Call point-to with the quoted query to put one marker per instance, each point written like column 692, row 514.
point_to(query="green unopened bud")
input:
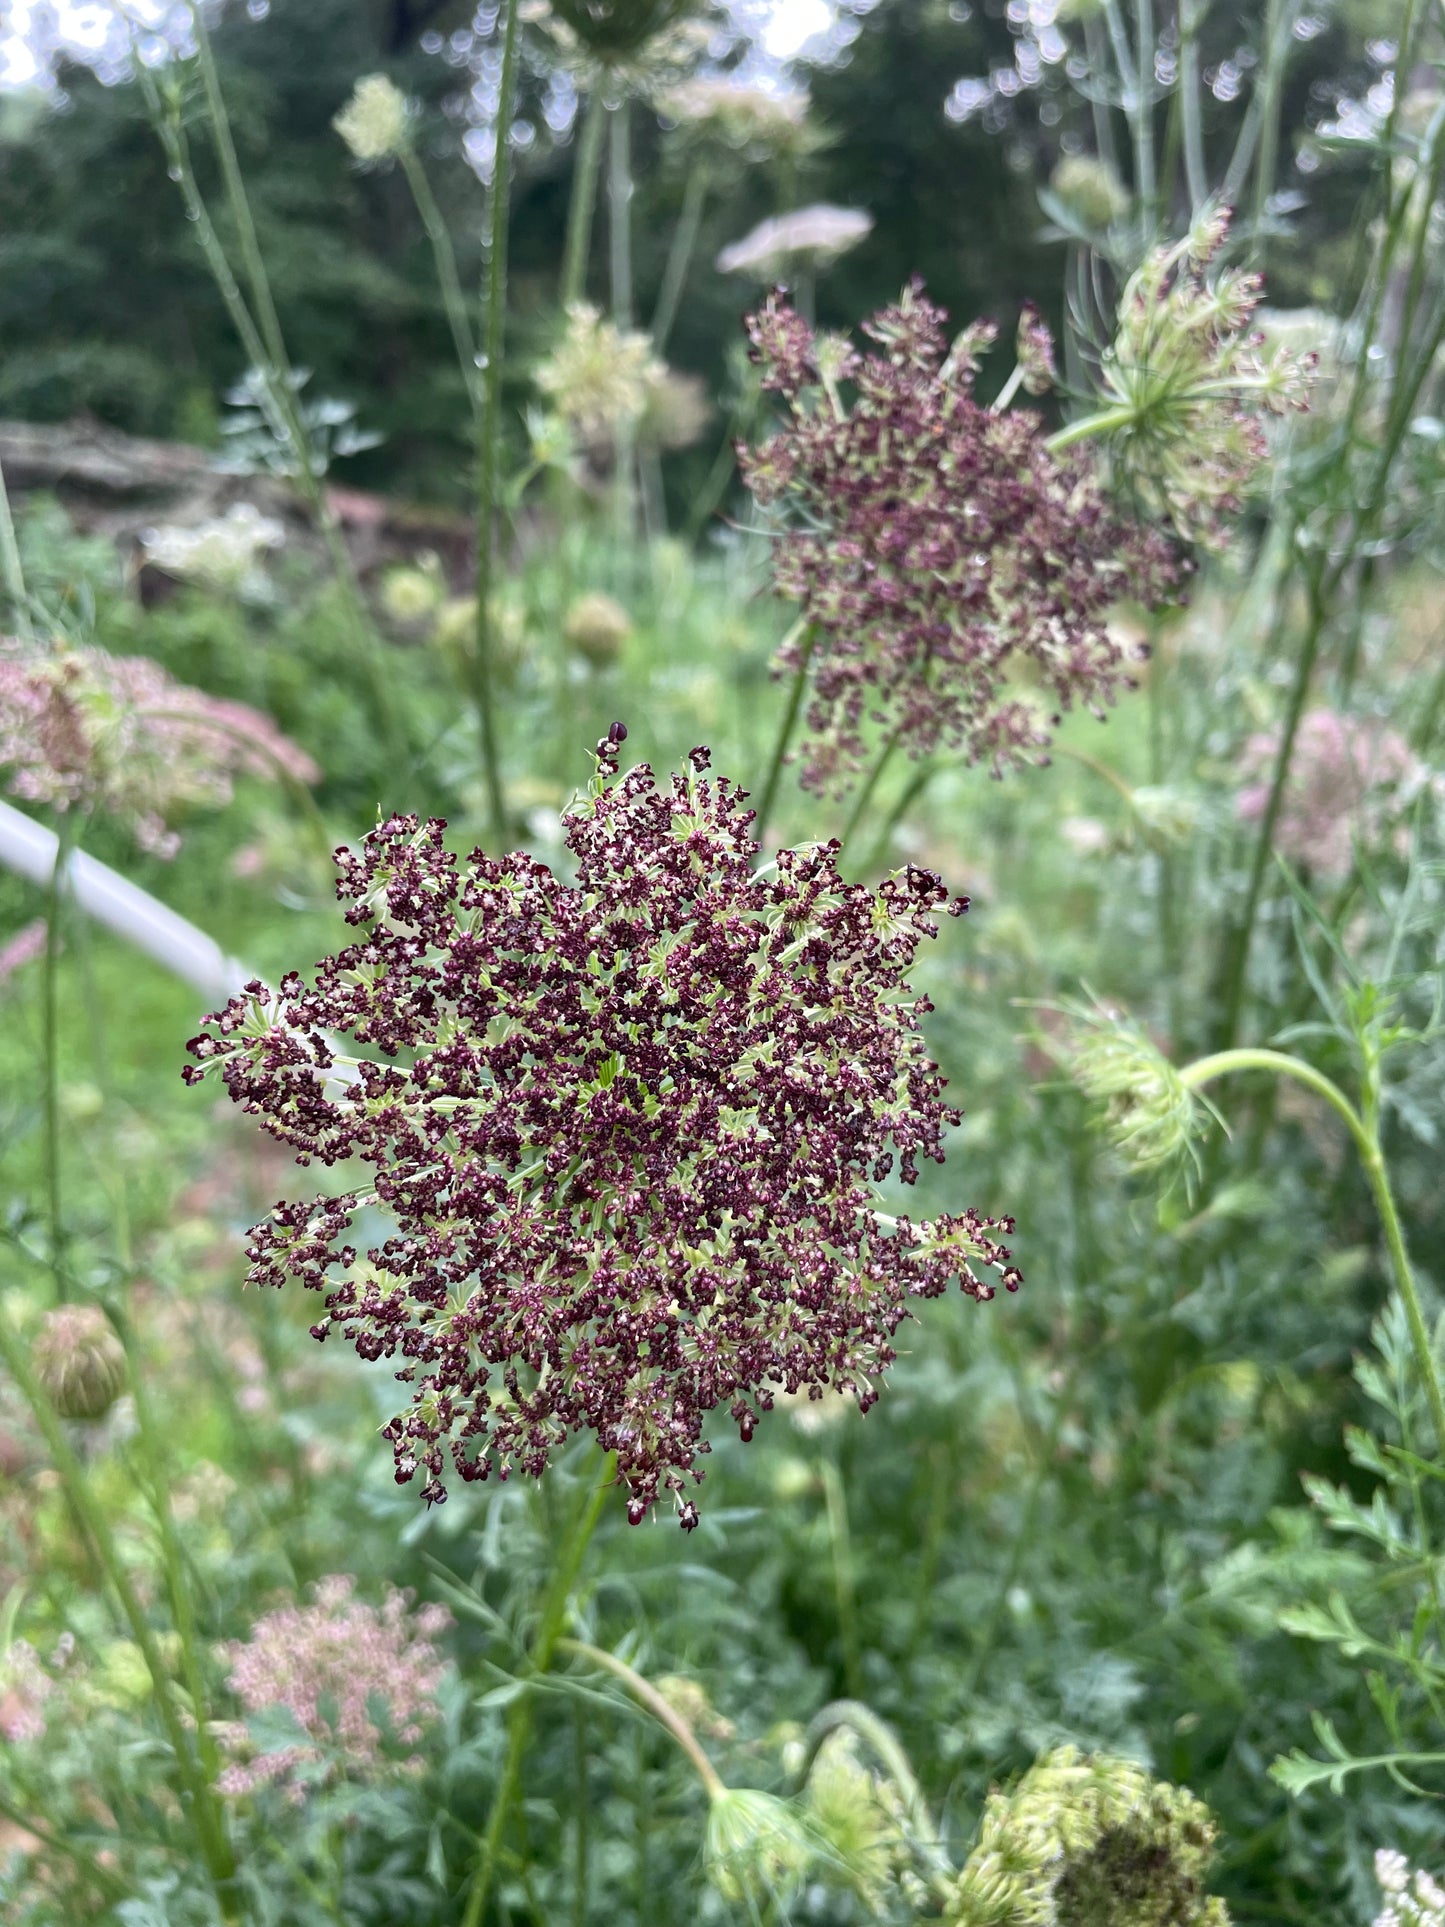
column 373, row 122
column 1090, row 1841
column 413, row 591
column 862, row 1836
column 1090, row 190
column 1149, row 1115
column 597, row 627
column 757, row 1846
column 1166, row 816
column 79, row 1361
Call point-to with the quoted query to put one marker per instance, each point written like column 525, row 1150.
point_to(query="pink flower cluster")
column 1345, row 780
column 628, row 1130
column 329, row 1664
column 946, row 562
column 81, row 729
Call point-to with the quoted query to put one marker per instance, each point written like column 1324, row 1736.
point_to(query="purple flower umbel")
column 944, row 559
column 627, row 1130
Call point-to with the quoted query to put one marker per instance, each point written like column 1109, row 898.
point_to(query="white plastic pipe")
column 28, row 848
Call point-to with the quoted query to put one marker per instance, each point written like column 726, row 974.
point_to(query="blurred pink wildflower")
column 1345, row 782
column 25, row 1686
column 331, row 1664
column 81, row 729
column 23, row 948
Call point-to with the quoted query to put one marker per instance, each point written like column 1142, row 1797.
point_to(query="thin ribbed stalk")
column 490, row 429
column 66, row 841
column 785, row 729
column 519, row 1726
column 583, row 204
column 448, row 280
column 679, row 255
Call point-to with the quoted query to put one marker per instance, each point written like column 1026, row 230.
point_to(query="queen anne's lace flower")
column 599, row 377
column 331, row 1665
column 628, row 1131
column 938, row 546
column 80, row 729
column 1413, row 1899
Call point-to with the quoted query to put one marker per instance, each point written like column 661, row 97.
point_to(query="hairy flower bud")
column 79, row 1361
column 373, row 123
column 757, row 1847
column 596, row 627
column 1091, row 1842
column 1091, row 191
column 627, row 1131
column 1149, row 1115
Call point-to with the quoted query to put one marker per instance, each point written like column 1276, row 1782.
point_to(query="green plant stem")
column 12, row 575
column 581, row 1878
column 865, row 795
column 1103, row 422
column 1364, row 1130
column 549, row 1631
column 1148, row 182
column 285, row 416
column 1277, row 20
column 619, row 210
column 203, row 1811
column 835, row 1501
column 1238, row 940
column 489, row 433
column 1196, row 169
column 647, row 1695
column 448, row 280
column 583, row 203
column 917, row 784
column 809, row 638
column 66, row 841
column 679, row 255
column 240, row 206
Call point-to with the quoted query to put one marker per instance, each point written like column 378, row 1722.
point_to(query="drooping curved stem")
column 852, row 1716
column 583, row 204
column 490, row 428
column 1363, row 1128
column 549, row 1631
column 790, row 716
column 647, row 1694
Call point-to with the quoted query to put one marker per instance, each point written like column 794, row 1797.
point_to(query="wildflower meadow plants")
column 605, row 1169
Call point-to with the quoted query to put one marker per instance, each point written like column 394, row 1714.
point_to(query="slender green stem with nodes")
column 489, row 433
column 1363, row 1128
column 583, row 204
column 565, row 1570
column 647, row 1694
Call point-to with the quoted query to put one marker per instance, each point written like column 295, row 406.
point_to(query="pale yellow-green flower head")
column 1147, row 1112
column 1089, row 1842
column 598, row 377
column 757, row 1848
column 373, row 123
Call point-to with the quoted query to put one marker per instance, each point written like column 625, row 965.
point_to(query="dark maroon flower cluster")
column 939, row 549
column 627, row 1130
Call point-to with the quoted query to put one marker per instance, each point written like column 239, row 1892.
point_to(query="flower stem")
column 1103, row 422
column 203, row 1812
column 809, row 638
column 549, row 1630
column 583, row 203
column 489, row 433
column 836, row 1503
column 917, row 784
column 65, row 844
column 619, row 211
column 679, row 255
column 865, row 795
column 666, row 1716
column 1363, row 1129
column 12, row 575
column 448, row 279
